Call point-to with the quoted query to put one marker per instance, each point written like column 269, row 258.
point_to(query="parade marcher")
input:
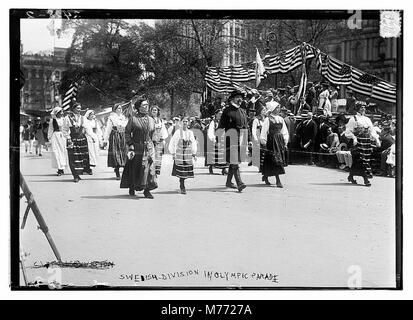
column 218, row 144
column 324, row 100
column 256, row 132
column 77, row 148
column 234, row 121
column 93, row 134
column 57, row 137
column 158, row 138
column 115, row 135
column 183, row 148
column 360, row 129
column 290, row 122
column 139, row 173
column 274, row 138
column 31, row 135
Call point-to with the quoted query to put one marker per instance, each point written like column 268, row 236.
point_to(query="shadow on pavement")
column 338, row 184
column 117, row 196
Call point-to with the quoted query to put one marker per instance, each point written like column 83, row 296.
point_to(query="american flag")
column 70, row 95
column 332, row 69
column 368, row 78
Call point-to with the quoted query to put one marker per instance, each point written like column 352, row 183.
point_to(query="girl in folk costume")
column 274, row 138
column 256, row 132
column 158, row 137
column 115, row 135
column 77, row 148
column 360, row 129
column 57, row 137
column 324, row 100
column 183, row 148
column 139, row 173
column 216, row 145
column 93, row 133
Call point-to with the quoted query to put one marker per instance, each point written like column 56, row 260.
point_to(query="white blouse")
column 89, row 125
column 185, row 135
column 266, row 127
column 114, row 120
column 363, row 121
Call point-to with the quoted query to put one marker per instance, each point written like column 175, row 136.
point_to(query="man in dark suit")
column 235, row 123
column 307, row 132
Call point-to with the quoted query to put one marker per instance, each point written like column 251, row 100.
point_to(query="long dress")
column 361, row 128
column 158, row 139
column 57, row 138
column 115, row 135
column 94, row 138
column 139, row 173
column 183, row 145
column 255, row 132
column 78, row 152
column 216, row 146
column 275, row 132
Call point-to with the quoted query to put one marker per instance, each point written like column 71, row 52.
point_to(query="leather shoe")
column 147, row 194
column 231, row 185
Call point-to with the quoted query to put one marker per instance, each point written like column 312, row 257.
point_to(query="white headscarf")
column 55, row 111
column 87, row 114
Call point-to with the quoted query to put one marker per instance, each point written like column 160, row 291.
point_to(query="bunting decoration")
column 225, row 79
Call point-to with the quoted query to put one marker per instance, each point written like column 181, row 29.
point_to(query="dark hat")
column 284, row 109
column 235, row 93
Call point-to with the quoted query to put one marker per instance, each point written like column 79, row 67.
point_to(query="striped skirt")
column 361, row 157
column 117, row 149
column 159, row 149
column 78, row 154
column 183, row 165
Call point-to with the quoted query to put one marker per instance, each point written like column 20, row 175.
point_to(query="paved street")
column 308, row 234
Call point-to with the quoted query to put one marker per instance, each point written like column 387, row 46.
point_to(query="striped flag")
column 288, row 60
column 70, row 95
column 333, row 70
column 384, row 91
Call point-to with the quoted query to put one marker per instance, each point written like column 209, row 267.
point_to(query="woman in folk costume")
column 158, row 137
column 57, row 137
column 360, row 129
column 183, row 148
column 274, row 138
column 139, row 173
column 324, row 100
column 77, row 148
column 93, row 133
column 217, row 144
column 256, row 132
column 115, row 135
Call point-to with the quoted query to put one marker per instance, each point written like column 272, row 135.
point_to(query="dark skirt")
column 361, row 157
column 274, row 158
column 79, row 154
column 117, row 149
column 183, row 167
column 139, row 173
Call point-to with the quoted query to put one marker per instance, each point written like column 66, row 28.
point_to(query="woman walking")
column 139, row 173
column 360, row 129
column 256, row 129
column 183, row 148
column 274, row 138
column 57, row 138
column 93, row 134
column 115, row 135
column 77, row 148
column 158, row 138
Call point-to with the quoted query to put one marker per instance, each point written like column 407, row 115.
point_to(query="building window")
column 357, row 52
column 338, row 53
column 381, row 49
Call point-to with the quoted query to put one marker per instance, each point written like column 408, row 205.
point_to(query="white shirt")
column 359, row 120
column 185, row 135
column 114, row 120
column 266, row 127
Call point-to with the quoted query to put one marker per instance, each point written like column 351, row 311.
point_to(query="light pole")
column 271, row 36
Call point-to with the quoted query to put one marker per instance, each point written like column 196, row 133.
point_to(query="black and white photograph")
column 206, row 149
